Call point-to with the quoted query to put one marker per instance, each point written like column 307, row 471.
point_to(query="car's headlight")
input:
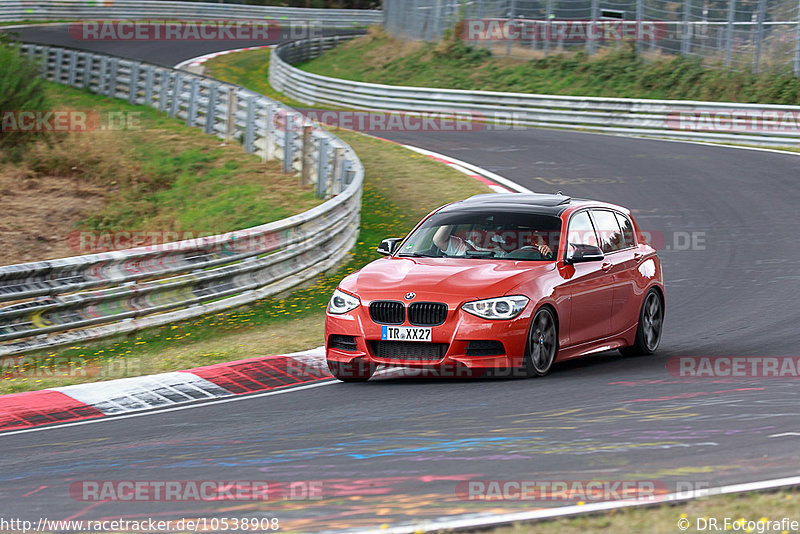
column 497, row 308
column 341, row 303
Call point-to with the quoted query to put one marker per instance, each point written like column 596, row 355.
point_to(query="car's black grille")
column 427, row 313
column 408, row 350
column 387, row 312
column 485, row 347
column 341, row 342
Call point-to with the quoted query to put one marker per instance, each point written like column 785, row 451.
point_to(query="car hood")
column 450, row 280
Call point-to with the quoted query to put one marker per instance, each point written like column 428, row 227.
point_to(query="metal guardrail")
column 726, row 122
column 153, row 9
column 66, row 300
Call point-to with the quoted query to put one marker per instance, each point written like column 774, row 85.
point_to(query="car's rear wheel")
column 651, row 324
column 357, row 370
column 542, row 343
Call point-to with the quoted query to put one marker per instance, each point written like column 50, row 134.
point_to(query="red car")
column 500, row 281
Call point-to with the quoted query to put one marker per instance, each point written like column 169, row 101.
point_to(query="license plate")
column 405, row 333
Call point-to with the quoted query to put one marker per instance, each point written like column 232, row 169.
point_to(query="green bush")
column 21, row 89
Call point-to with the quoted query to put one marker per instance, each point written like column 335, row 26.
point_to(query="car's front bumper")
column 458, row 331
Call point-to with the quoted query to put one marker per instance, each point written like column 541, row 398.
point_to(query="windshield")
column 503, row 235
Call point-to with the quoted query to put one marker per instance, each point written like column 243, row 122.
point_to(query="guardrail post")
column 729, row 38
column 101, row 75
column 305, row 160
column 88, row 64
column 230, row 115
column 269, row 135
column 148, row 86
column 548, row 14
column 639, row 18
column 288, row 141
column 591, row 45
column 110, row 81
column 73, row 67
column 191, row 115
column 164, row 77
column 762, row 7
column 211, row 108
column 686, row 33
column 436, row 24
column 511, row 12
column 797, row 43
column 175, row 95
column 59, row 60
column 344, row 175
column 250, row 124
column 133, row 85
column 322, row 167
column 338, row 169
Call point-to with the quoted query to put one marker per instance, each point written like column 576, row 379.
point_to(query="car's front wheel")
column 542, row 343
column 651, row 323
column 357, row 370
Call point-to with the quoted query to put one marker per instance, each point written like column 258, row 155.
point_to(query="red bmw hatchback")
column 511, row 281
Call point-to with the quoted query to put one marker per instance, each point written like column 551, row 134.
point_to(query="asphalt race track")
column 392, row 450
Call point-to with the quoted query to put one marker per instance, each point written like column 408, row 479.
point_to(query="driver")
column 452, row 245
column 537, row 241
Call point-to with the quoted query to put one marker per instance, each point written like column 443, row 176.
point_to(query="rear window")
column 627, row 230
column 608, row 230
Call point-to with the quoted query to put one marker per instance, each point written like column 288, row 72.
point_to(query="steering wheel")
column 529, row 252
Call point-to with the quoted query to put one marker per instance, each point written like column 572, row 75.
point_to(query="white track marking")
column 200, row 404
column 144, row 392
column 474, row 168
column 784, row 434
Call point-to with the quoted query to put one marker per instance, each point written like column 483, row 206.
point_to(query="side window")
column 581, row 230
column 627, row 230
column 608, row 231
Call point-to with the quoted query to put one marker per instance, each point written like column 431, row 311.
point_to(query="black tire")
column 542, row 346
column 649, row 328
column 355, row 371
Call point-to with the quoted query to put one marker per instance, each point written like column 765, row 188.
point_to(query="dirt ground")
column 37, row 214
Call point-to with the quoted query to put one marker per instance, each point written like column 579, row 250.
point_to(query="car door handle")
column 607, row 266
column 637, row 256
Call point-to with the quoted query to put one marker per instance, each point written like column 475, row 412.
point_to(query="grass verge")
column 378, row 58
column 695, row 515
column 400, row 187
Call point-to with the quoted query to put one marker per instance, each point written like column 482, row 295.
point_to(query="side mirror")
column 584, row 253
column 388, row 246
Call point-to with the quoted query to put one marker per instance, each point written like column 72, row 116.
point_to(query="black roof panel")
column 511, row 202
column 530, row 199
